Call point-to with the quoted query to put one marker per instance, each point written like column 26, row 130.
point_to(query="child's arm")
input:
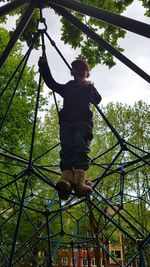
column 48, row 78
column 95, row 97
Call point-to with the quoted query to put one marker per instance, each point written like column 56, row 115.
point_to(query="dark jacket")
column 77, row 99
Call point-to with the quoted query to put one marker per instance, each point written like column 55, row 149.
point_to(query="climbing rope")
column 22, row 196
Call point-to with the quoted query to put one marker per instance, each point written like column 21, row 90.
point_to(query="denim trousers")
column 75, row 139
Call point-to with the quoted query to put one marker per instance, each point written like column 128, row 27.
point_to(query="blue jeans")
column 75, row 140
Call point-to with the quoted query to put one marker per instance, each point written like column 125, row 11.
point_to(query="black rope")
column 18, row 224
column 25, row 59
column 17, row 68
column 34, row 122
column 72, row 252
column 49, row 260
column 121, row 194
column 42, row 20
column 58, row 51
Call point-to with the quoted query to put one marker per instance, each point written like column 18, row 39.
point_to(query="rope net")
column 37, row 229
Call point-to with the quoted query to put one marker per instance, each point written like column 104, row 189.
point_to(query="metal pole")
column 76, row 22
column 106, row 16
column 6, row 9
column 18, row 32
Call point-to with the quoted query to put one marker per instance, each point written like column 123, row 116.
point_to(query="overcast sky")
column 120, row 84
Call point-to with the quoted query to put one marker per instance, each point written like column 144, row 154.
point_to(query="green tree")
column 132, row 124
column 15, row 137
column 76, row 39
column 17, row 129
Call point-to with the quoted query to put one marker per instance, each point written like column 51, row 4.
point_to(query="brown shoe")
column 82, row 187
column 64, row 186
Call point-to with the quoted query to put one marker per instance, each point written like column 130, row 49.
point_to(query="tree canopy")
column 76, row 39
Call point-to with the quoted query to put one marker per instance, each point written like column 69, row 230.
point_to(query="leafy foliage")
column 76, row 39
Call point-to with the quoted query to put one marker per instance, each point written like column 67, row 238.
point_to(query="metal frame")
column 25, row 204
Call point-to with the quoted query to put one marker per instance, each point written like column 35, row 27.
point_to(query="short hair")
column 80, row 62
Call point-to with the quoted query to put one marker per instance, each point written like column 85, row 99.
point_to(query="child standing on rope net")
column 76, row 125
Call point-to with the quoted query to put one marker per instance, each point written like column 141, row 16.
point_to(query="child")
column 76, row 125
